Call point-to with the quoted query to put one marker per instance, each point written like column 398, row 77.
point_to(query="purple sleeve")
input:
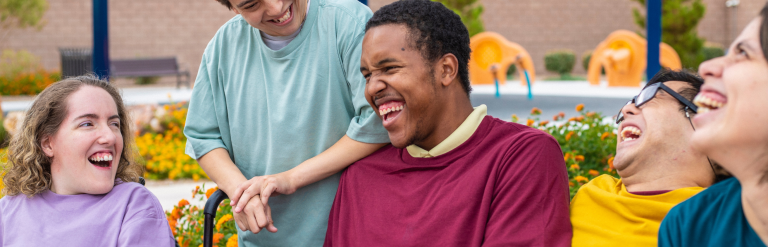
column 530, row 204
column 145, row 223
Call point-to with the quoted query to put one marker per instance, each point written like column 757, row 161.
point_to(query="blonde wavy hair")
column 28, row 170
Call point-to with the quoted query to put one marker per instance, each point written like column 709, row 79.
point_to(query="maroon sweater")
column 505, row 186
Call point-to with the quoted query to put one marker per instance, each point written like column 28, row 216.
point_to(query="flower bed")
column 30, row 83
column 187, row 222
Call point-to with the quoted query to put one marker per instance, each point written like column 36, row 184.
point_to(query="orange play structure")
column 623, row 55
column 490, row 48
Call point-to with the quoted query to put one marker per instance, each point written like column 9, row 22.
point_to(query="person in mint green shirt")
column 278, row 107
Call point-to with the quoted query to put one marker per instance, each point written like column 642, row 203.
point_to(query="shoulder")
column 139, row 200
column 519, row 137
column 603, row 182
column 712, row 199
column 233, row 29
column 346, row 11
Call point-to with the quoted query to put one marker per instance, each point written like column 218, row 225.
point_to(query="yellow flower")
column 579, row 107
column 575, row 166
column 223, row 220
column 579, row 158
column 581, row 179
column 593, row 173
column 232, row 241
column 514, row 118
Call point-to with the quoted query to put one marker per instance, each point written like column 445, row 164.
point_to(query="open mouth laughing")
column 389, row 111
column 285, row 18
column 709, row 101
column 101, row 159
column 629, row 133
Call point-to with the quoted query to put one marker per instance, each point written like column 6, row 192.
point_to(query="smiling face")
column 732, row 104
column 273, row 17
column 400, row 84
column 653, row 133
column 85, row 151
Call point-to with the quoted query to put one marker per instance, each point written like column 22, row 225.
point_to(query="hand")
column 275, row 185
column 255, row 216
column 245, row 192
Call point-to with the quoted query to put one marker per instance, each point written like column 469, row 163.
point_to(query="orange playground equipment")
column 490, row 48
column 623, row 55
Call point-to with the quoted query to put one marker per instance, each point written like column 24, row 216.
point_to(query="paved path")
column 550, row 96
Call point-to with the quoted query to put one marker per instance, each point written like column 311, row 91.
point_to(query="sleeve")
column 669, row 231
column 530, row 204
column 202, row 128
column 366, row 125
column 145, row 223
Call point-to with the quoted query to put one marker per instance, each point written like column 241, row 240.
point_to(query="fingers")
column 240, row 221
column 246, row 191
column 270, row 187
column 253, row 225
column 257, row 215
column 271, row 227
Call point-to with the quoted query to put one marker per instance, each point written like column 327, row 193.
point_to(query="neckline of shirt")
column 301, row 36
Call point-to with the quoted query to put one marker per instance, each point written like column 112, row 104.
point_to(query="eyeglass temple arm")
column 680, row 98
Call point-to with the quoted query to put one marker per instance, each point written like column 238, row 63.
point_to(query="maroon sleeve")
column 530, row 201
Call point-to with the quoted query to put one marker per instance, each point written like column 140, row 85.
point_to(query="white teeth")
column 706, row 104
column 630, row 130
column 107, row 157
column 391, row 109
column 284, row 17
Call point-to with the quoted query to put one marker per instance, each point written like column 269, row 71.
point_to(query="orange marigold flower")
column 217, row 237
column 579, row 107
column 224, row 219
column 610, row 163
column 580, row 118
column 514, row 118
column 590, row 114
column 579, row 158
column 605, row 135
column 194, row 192
column 529, row 122
column 561, row 114
column 176, row 213
column 567, row 156
column 183, row 203
column 575, row 166
column 569, row 136
column 581, row 179
column 542, row 123
column 556, row 117
column 572, row 119
column 535, row 111
column 571, row 184
column 232, row 241
column 210, row 191
column 593, row 172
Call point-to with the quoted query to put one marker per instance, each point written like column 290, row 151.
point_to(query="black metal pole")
column 100, row 39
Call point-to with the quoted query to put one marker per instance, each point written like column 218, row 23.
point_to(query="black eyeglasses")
column 649, row 92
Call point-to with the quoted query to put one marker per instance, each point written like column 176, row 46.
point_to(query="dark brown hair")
column 28, row 169
column 225, row 3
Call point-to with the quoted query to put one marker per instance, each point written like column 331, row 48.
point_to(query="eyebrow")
column 240, row 5
column 378, row 64
column 91, row 115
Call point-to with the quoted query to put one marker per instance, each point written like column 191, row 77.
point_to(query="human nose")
column 274, row 7
column 630, row 109
column 107, row 135
column 375, row 84
column 712, row 68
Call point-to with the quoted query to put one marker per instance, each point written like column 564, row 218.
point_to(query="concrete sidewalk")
column 131, row 96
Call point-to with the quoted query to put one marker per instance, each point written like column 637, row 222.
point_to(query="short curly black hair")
column 433, row 29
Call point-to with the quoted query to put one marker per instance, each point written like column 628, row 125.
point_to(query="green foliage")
column 13, row 63
column 511, row 72
column 20, row 14
column 469, row 11
column 710, row 52
column 146, row 80
column 585, row 57
column 588, row 143
column 679, row 19
column 31, row 83
column 561, row 62
column 186, row 221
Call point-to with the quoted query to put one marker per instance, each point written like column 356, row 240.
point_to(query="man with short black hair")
column 453, row 176
column 658, row 169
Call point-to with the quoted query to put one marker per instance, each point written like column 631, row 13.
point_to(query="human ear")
column 46, row 145
column 448, row 69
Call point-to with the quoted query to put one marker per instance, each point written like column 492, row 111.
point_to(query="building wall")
column 544, row 25
column 182, row 28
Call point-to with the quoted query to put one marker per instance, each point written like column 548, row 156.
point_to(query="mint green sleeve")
column 366, row 125
column 202, row 128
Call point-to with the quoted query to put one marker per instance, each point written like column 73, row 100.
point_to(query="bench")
column 148, row 67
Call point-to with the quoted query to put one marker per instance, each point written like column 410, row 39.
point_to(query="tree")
column 20, row 14
column 469, row 11
column 679, row 19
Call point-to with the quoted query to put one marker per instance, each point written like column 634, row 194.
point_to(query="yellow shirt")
column 459, row 136
column 603, row 213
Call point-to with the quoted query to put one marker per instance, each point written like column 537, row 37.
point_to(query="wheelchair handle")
column 210, row 214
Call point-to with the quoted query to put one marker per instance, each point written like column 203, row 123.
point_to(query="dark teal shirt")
column 714, row 217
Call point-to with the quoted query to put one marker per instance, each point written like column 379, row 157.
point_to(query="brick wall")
column 182, row 28
column 579, row 25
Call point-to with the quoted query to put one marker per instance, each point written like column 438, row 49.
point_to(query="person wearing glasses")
column 731, row 131
column 657, row 167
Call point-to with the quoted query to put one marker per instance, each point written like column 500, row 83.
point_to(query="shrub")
column 186, row 222
column 3, row 162
column 678, row 28
column 561, row 62
column 588, row 144
column 710, row 52
column 162, row 146
column 146, row 80
column 511, row 71
column 13, row 63
column 30, row 83
column 469, row 11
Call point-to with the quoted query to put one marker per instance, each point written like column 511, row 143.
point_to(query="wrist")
column 291, row 182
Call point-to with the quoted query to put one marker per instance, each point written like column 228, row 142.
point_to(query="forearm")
column 222, row 170
column 339, row 156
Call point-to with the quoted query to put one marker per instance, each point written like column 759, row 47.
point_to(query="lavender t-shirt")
column 129, row 215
